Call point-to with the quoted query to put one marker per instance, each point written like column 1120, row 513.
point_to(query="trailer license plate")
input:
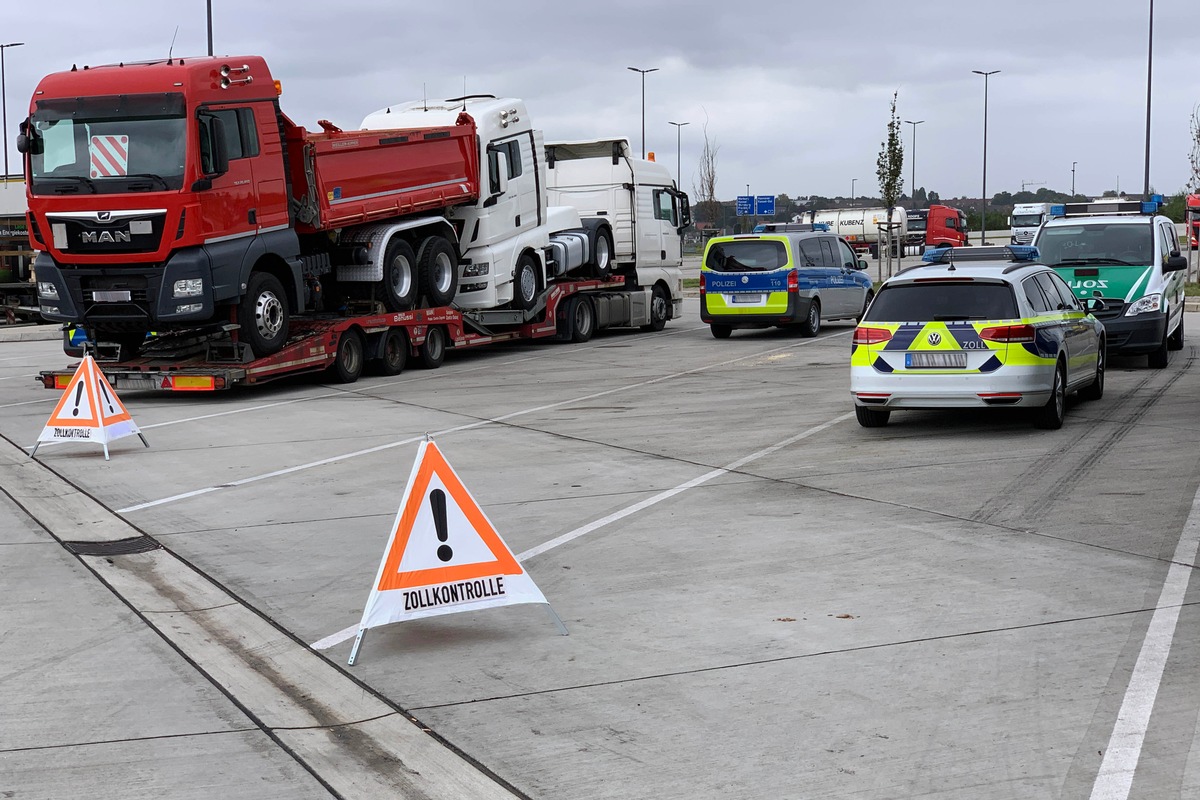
column 952, row 360
column 137, row 382
column 111, row 297
column 752, row 299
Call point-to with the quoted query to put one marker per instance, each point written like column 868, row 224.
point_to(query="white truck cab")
column 1025, row 220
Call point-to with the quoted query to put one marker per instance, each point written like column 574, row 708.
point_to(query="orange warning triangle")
column 441, row 534
column 112, row 410
column 77, row 407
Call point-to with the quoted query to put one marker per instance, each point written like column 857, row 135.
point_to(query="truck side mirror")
column 22, row 143
column 685, row 210
column 501, row 172
column 214, row 157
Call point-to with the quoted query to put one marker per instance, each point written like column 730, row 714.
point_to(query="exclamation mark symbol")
column 437, row 502
column 107, row 399
column 78, row 396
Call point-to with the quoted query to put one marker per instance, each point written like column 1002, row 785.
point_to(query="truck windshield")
column 916, row 224
column 1096, row 243
column 107, row 145
column 1026, row 220
column 746, row 255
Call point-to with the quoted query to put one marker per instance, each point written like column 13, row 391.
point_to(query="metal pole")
column 983, row 204
column 912, row 190
column 4, row 104
column 1149, row 67
column 210, row 47
column 852, row 182
column 678, row 142
column 643, row 72
column 1073, row 163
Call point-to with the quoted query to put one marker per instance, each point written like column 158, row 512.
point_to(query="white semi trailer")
column 863, row 228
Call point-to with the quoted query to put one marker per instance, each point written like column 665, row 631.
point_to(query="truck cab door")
column 228, row 208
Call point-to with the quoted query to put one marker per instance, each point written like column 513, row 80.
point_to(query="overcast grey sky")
column 795, row 94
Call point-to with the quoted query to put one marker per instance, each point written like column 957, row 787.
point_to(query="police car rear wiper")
column 1073, row 261
column 954, row 317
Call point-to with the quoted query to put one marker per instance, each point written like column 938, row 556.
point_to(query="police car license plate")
column 952, row 360
column 755, row 299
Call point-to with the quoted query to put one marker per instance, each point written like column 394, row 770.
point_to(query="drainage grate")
column 120, row 547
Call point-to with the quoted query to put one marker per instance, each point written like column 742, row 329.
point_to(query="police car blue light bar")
column 957, row 255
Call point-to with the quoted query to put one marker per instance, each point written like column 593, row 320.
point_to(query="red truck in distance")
column 936, row 226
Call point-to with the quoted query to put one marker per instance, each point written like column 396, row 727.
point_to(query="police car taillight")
column 793, row 281
column 1009, row 334
column 870, row 336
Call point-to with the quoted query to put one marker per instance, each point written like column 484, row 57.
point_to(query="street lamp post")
column 643, row 72
column 983, row 210
column 678, row 140
column 912, row 190
column 209, row 5
column 4, row 103
column 1149, row 66
column 852, row 182
column 1073, row 163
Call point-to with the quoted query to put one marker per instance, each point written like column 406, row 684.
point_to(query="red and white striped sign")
column 110, row 156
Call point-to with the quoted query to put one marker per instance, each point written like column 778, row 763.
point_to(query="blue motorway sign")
column 765, row 205
column 745, row 205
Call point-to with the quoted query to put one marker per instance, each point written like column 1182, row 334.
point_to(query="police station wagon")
column 781, row 278
column 973, row 333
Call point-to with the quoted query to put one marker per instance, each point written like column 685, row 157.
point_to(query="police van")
column 781, row 276
column 1127, row 254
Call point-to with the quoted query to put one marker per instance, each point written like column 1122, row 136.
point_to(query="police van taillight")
column 793, row 285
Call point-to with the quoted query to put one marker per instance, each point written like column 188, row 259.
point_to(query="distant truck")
column 175, row 194
column 936, row 226
column 1192, row 217
column 864, row 229
column 1025, row 220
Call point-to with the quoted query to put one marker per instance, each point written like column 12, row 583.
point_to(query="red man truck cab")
column 171, row 194
column 1192, row 216
column 936, row 226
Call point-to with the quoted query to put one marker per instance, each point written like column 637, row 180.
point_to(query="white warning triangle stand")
column 89, row 411
column 444, row 555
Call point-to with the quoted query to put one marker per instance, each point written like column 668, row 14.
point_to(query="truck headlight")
column 1151, row 302
column 475, row 270
column 48, row 309
column 188, row 287
column 47, row 290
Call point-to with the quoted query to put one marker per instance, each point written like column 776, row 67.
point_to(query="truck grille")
column 100, row 285
column 138, row 234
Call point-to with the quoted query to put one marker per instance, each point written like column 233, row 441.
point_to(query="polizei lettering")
column 461, row 592
column 109, row 237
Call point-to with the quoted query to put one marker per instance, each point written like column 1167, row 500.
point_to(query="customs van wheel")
column 720, row 331
column 1050, row 416
column 660, row 309
column 872, row 417
column 525, row 283
column 395, row 352
column 602, row 252
column 1095, row 390
column 581, row 317
column 866, row 304
column 812, row 323
column 347, row 366
column 1175, row 340
column 437, row 268
column 433, row 349
column 263, row 314
column 399, row 276
column 1158, row 358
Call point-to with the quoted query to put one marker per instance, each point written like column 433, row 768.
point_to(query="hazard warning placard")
column 443, row 555
column 89, row 410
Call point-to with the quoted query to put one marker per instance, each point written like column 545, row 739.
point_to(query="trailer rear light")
column 1008, row 334
column 793, row 283
column 869, row 336
column 191, row 383
column 62, row 381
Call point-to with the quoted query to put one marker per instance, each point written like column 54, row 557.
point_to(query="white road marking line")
column 458, row 428
column 1115, row 778
column 32, row 402
column 350, row 632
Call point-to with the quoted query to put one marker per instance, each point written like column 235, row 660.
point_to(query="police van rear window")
column 943, row 301
column 746, row 255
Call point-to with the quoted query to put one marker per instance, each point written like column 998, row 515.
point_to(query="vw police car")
column 1127, row 254
column 781, row 275
column 985, row 327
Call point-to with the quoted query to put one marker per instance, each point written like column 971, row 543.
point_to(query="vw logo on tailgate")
column 935, row 338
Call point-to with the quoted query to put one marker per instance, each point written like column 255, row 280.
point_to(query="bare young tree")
column 889, row 169
column 1193, row 184
column 708, row 208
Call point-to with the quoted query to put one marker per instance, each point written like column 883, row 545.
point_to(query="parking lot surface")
column 764, row 599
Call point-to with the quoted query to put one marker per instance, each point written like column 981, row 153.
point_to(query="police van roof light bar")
column 1111, row 206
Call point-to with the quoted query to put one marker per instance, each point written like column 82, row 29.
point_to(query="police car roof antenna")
column 951, row 268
